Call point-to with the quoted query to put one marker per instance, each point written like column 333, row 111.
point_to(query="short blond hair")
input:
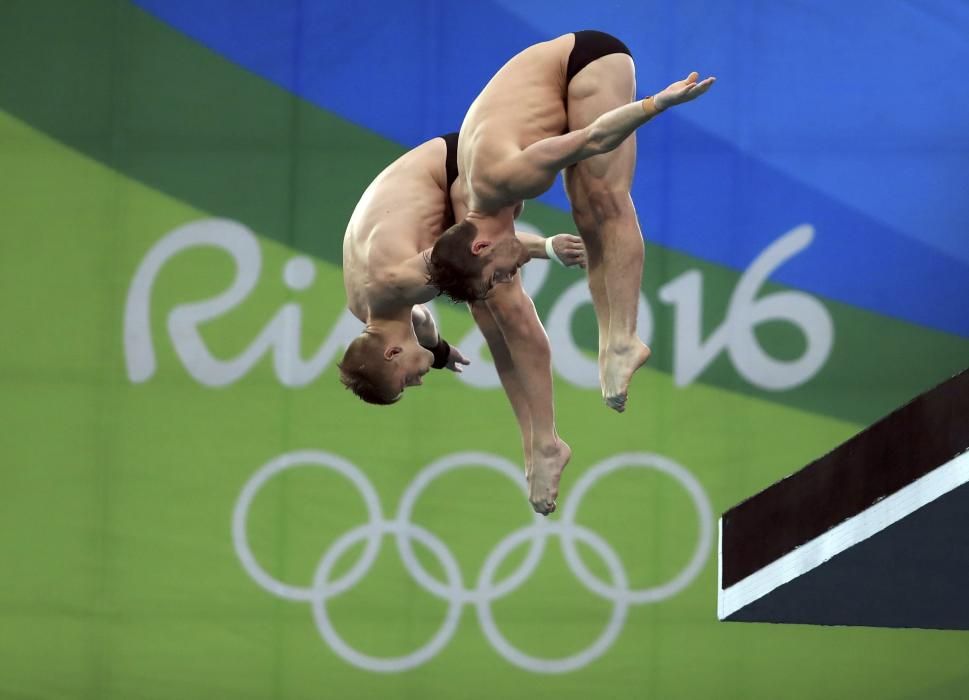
column 364, row 371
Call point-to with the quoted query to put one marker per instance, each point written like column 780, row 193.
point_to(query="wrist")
column 442, row 351
column 651, row 107
column 550, row 251
column 535, row 245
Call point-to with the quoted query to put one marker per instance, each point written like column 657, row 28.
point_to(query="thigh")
column 606, row 83
column 485, row 321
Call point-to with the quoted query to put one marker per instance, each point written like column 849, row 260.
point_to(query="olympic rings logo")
column 486, row 590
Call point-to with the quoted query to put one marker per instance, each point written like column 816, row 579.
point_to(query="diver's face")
column 410, row 363
column 502, row 264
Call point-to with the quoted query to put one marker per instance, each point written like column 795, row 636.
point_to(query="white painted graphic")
column 745, row 312
column 453, row 590
column 281, row 335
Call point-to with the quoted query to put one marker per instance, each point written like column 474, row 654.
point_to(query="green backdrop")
column 129, row 439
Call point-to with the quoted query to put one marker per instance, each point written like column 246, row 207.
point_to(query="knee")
column 606, row 202
column 582, row 215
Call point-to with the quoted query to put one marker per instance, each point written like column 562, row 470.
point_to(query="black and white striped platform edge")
column 899, row 465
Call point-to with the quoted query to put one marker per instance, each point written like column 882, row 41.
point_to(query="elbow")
column 600, row 140
column 420, row 314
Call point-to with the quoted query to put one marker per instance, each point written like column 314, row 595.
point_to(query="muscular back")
column 401, row 213
column 522, row 104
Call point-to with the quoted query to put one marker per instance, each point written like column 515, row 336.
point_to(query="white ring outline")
column 424, row 478
column 290, row 460
column 397, row 663
column 454, row 591
column 569, row 663
column 701, row 503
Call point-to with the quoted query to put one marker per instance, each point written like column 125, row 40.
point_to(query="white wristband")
column 551, row 252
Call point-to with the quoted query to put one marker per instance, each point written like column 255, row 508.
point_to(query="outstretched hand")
column 682, row 91
column 569, row 249
column 455, row 359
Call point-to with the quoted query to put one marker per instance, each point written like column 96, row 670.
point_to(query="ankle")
column 622, row 344
column 547, row 448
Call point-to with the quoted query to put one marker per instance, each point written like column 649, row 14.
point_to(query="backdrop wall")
column 194, row 506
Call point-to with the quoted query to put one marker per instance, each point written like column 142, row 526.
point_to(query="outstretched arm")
column 543, row 159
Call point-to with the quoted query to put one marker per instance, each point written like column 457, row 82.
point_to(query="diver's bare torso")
column 400, row 214
column 523, row 103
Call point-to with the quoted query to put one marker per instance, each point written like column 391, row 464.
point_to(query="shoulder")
column 399, row 284
column 385, row 274
column 382, row 290
column 488, row 178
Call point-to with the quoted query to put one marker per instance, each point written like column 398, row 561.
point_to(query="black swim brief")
column 451, row 164
column 451, row 170
column 590, row 45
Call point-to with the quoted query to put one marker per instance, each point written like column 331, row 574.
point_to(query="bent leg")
column 507, row 374
column 603, row 211
column 527, row 345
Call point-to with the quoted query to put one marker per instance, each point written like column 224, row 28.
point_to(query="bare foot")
column 543, row 477
column 620, row 363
